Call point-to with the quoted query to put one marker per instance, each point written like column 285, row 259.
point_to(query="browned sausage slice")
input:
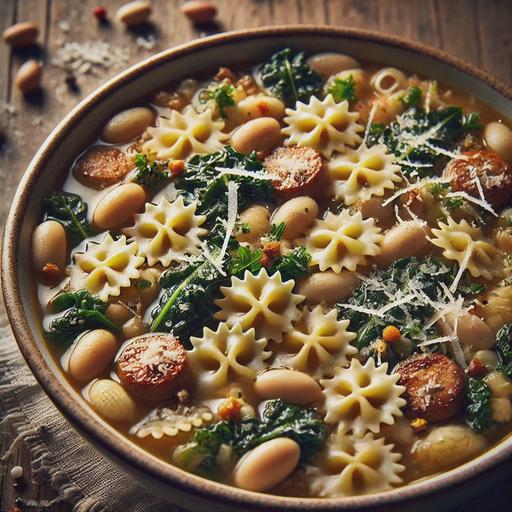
column 101, row 166
column 152, row 366
column 494, row 174
column 295, row 168
column 434, row 386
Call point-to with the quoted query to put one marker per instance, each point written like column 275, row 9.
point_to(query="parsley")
column 471, row 122
column 452, row 203
column 438, row 190
column 343, row 89
column 504, row 349
column 276, row 231
column 411, row 97
column 288, row 76
column 479, row 411
column 221, row 94
column 151, row 176
column 245, row 227
column 246, row 259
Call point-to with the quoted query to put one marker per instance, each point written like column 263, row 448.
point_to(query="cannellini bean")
column 291, row 386
column 199, row 11
column 498, row 137
column 328, row 286
column 127, row 125
column 134, row 327
column 258, row 218
column 134, row 13
column 49, row 245
column 405, row 239
column 110, row 400
column 472, row 332
column 118, row 313
column 261, row 134
column 21, row 34
column 372, row 208
column 298, row 214
column 259, row 105
column 330, row 63
column 119, row 205
column 28, row 77
column 267, row 464
column 448, row 446
column 92, row 354
column 501, row 409
column 500, row 386
column 488, row 357
column 149, row 293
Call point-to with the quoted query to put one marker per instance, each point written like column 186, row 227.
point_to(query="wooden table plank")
column 476, row 30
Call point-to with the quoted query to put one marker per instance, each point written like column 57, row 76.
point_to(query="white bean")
column 267, row 464
column 498, row 137
column 474, row 333
column 501, row 409
column 500, row 386
column 134, row 327
column 134, row 13
column 330, row 63
column 488, row 357
column 328, row 286
column 259, row 105
column 261, row 134
column 291, row 386
column 127, row 125
column 118, row 313
column 49, row 245
column 448, row 446
column 110, row 400
column 405, row 239
column 372, row 208
column 21, row 34
column 28, row 77
column 119, row 205
column 92, row 354
column 298, row 214
column 257, row 217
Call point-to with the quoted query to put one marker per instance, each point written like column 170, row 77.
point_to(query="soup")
column 293, row 278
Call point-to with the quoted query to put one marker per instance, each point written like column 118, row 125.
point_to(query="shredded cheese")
column 462, row 267
column 414, row 186
column 371, row 115
column 235, row 171
column 483, row 204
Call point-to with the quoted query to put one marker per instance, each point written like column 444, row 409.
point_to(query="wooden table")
column 476, row 30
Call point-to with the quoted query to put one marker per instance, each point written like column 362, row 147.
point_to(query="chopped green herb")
column 504, row 349
column 438, row 190
column 246, row 259
column 142, row 284
column 150, row 175
column 479, row 411
column 343, row 89
column 288, row 76
column 221, row 93
column 452, row 203
column 245, row 227
column 411, row 97
column 276, row 231
column 472, row 122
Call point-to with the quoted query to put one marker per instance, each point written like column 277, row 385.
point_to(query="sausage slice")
column 152, row 366
column 494, row 174
column 295, row 169
column 101, row 167
column 434, row 386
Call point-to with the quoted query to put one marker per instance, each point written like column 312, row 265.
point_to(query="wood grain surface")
column 476, row 30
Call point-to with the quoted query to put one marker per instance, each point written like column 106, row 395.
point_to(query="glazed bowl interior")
column 80, row 128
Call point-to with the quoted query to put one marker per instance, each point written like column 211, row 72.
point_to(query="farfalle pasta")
column 356, row 465
column 342, row 241
column 226, row 355
column 167, row 232
column 184, row 134
column 318, row 343
column 363, row 173
column 106, row 267
column 362, row 397
column 468, row 246
column 324, row 125
column 300, row 261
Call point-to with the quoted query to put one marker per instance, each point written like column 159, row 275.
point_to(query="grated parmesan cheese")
column 414, row 186
column 235, row 171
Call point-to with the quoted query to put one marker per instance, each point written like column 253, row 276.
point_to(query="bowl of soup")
column 271, row 269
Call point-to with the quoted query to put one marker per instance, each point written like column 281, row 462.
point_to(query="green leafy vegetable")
column 288, row 76
column 246, row 259
column 71, row 212
column 186, row 303
column 472, row 122
column 504, row 349
column 479, row 411
column 150, row 175
column 411, row 97
column 452, row 203
column 279, row 419
column 343, row 89
column 82, row 311
column 221, row 93
column 276, row 231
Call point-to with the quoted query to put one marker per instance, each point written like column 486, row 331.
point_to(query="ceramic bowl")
column 79, row 128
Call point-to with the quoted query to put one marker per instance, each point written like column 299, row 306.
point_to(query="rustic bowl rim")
column 115, row 444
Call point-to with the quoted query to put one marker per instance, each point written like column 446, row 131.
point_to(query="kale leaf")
column 246, row 259
column 71, row 212
column 288, row 76
column 504, row 349
column 413, row 137
column 221, row 93
column 150, row 175
column 279, row 419
column 479, row 411
column 343, row 89
column 82, row 311
column 186, row 303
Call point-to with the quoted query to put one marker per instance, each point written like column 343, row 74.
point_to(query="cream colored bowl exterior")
column 79, row 129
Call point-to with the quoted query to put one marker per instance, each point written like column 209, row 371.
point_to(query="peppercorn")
column 419, row 425
column 390, row 334
column 100, row 13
